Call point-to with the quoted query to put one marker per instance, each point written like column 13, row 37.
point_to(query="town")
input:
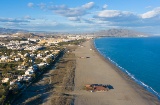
column 23, row 59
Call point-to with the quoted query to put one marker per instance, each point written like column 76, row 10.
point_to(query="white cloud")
column 42, row 5
column 118, row 18
column 105, row 6
column 83, row 18
column 63, row 10
column 88, row 5
column 151, row 14
column 115, row 15
column 108, row 13
column 12, row 20
column 74, row 18
column 30, row 5
column 57, row 7
column 27, row 17
column 70, row 12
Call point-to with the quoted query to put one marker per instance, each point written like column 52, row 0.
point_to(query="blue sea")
column 137, row 57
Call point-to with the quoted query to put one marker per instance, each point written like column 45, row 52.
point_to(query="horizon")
column 81, row 16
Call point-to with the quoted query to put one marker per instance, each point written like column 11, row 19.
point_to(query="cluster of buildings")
column 20, row 80
column 22, row 45
column 25, row 57
column 55, row 41
column 26, row 52
column 29, row 44
column 30, row 71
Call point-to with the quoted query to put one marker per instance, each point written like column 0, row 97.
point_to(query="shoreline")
column 136, row 92
column 123, row 73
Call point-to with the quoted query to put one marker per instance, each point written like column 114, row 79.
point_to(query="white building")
column 3, row 58
column 5, row 80
column 29, row 72
column 17, row 59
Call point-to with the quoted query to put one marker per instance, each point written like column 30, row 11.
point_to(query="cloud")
column 151, row 14
column 109, row 13
column 28, row 23
column 13, row 20
column 88, row 5
column 83, row 17
column 65, row 11
column 42, row 5
column 116, row 16
column 105, row 6
column 74, row 19
column 90, row 21
column 28, row 17
column 71, row 12
column 57, row 7
column 128, row 19
column 30, row 5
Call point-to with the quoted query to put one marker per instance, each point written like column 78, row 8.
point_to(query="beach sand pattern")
column 94, row 69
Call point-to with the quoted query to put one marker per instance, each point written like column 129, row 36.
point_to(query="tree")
column 49, row 60
column 2, row 98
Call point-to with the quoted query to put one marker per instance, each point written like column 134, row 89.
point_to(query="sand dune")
column 97, row 70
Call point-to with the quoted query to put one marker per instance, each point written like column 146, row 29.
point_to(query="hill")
column 120, row 33
column 108, row 33
column 10, row 31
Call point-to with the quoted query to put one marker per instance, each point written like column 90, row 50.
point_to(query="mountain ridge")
column 11, row 31
column 108, row 33
column 120, row 33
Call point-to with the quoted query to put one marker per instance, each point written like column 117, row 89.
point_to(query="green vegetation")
column 9, row 69
column 38, row 60
column 3, row 92
column 8, row 52
column 8, row 66
column 74, row 42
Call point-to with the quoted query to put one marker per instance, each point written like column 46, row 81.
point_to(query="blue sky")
column 80, row 15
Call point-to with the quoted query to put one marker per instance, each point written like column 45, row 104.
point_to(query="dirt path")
column 54, row 87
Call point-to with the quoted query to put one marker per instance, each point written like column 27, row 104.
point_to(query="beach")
column 92, row 68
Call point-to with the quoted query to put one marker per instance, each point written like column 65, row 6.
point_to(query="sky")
column 80, row 15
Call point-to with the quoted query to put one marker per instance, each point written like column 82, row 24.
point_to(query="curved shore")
column 97, row 70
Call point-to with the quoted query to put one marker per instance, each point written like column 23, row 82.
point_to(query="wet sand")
column 96, row 70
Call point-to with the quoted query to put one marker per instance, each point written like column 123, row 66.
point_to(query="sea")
column 137, row 57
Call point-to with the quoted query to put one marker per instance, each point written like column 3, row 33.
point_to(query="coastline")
column 128, row 76
column 126, row 90
column 123, row 74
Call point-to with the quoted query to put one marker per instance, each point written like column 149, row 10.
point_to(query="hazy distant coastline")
column 107, row 33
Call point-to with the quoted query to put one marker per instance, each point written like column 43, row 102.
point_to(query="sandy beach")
column 96, row 70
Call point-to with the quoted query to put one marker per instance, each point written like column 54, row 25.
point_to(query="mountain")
column 108, row 33
column 120, row 33
column 10, row 31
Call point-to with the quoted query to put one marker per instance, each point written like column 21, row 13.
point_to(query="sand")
column 97, row 70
